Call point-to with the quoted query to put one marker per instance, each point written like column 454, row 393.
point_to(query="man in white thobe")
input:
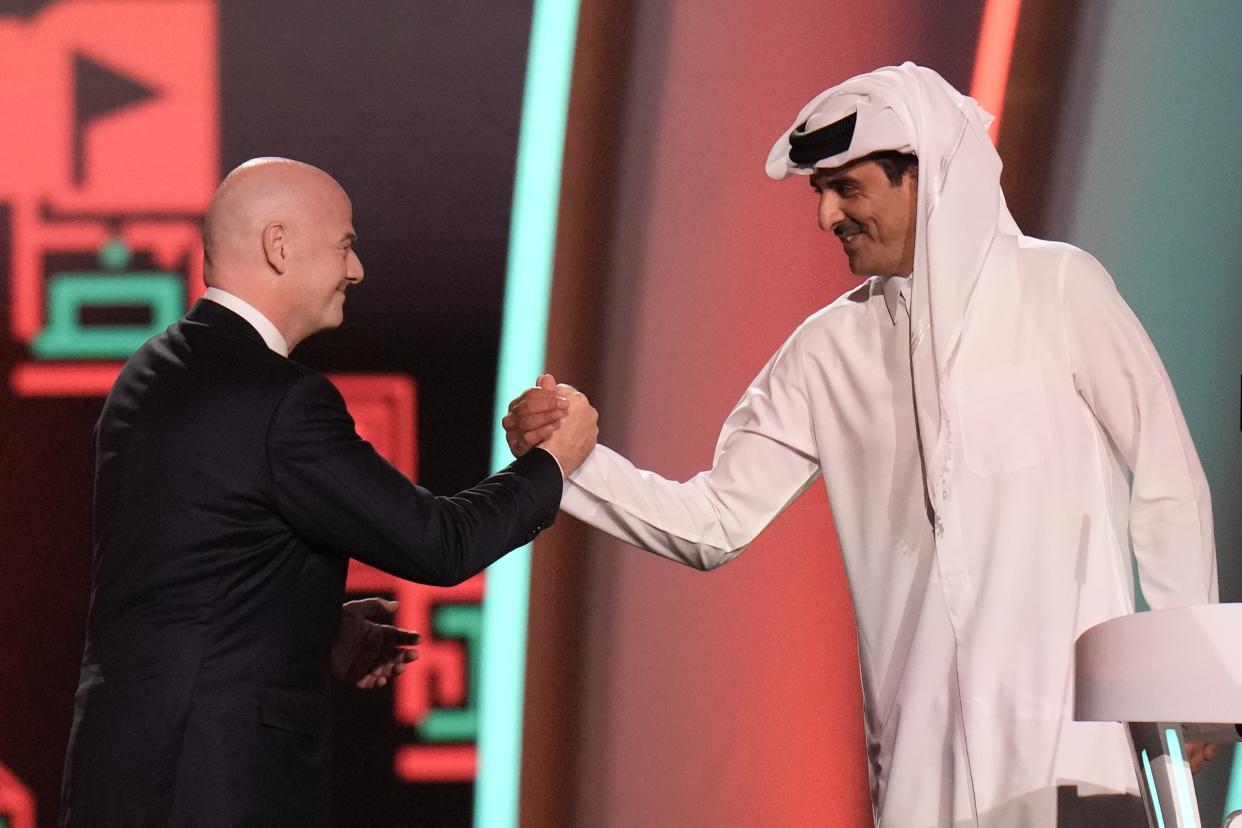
column 976, row 407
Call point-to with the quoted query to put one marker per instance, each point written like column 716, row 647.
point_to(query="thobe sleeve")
column 764, row 459
column 1119, row 374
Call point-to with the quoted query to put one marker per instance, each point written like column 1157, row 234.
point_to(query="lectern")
column 1167, row 675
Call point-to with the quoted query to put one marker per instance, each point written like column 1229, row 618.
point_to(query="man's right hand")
column 557, row 418
column 535, row 414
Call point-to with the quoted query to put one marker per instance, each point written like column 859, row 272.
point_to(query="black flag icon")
column 98, row 91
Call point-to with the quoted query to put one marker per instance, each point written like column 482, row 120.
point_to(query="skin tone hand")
column 573, row 430
column 367, row 654
column 535, row 414
column 1198, row 754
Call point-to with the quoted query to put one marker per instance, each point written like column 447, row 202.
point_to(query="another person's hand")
column 573, row 437
column 534, row 415
column 366, row 654
column 1198, row 754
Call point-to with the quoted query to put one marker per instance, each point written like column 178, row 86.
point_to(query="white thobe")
column 965, row 632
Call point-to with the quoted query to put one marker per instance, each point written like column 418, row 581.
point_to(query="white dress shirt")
column 966, row 632
column 271, row 335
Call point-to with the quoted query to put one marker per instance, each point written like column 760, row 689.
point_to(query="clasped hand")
column 557, row 418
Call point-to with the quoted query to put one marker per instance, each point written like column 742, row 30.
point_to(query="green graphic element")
column 65, row 337
column 115, row 255
column 458, row 724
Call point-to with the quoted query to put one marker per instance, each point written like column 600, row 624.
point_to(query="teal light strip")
column 1155, row 794
column 532, row 240
column 1233, row 802
column 1181, row 780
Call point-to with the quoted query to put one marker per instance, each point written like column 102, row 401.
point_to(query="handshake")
column 556, row 418
column 368, row 653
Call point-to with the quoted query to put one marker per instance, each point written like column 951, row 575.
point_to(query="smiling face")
column 323, row 261
column 280, row 235
column 874, row 218
column 311, row 253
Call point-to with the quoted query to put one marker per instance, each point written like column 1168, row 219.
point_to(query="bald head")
column 279, row 234
column 259, row 191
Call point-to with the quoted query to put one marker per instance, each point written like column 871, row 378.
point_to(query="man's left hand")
column 367, row 654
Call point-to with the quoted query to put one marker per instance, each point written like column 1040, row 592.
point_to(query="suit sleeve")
column 1119, row 374
column 335, row 490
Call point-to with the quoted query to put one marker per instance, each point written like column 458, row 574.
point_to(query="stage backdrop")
column 119, row 117
column 730, row 698
column 1144, row 178
column 658, row 696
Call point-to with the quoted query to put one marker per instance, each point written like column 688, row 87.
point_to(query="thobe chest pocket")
column 1003, row 419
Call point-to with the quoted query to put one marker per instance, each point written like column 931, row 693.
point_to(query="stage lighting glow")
column 1180, row 782
column 532, row 241
column 1155, row 794
column 991, row 75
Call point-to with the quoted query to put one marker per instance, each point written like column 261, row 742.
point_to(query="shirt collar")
column 896, row 288
column 271, row 335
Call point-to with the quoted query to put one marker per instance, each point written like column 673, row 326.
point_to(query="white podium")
column 1167, row 674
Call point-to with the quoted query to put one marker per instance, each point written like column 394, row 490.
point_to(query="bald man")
column 231, row 489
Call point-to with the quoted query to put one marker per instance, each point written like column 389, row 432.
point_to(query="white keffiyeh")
column 961, row 209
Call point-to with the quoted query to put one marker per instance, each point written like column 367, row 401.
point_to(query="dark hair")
column 895, row 164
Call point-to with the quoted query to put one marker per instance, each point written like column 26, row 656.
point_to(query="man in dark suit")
column 231, row 490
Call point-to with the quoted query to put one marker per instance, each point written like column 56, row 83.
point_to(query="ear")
column 275, row 238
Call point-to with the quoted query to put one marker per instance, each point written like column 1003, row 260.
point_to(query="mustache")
column 846, row 227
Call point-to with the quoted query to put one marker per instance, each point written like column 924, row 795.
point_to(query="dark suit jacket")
column 230, row 492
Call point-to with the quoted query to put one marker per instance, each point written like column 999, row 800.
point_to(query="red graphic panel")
column 17, row 807
column 383, row 408
column 89, row 380
column 109, row 132
column 110, row 156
